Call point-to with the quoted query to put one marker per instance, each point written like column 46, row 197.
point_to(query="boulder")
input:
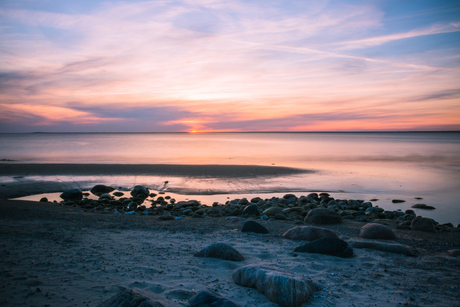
column 323, row 216
column 423, row 206
column 423, row 224
column 210, row 299
column 72, row 195
column 137, row 298
column 44, row 200
column 377, row 231
column 252, row 226
column 385, row 247
column 278, row 285
column 272, row 211
column 221, row 251
column 140, row 191
column 100, row 189
column 251, row 209
column 328, row 246
column 308, row 233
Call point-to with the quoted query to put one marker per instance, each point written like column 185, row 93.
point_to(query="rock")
column 308, row 233
column 328, row 246
column 278, row 285
column 454, row 252
column 396, row 201
column 423, row 224
column 323, row 216
column 140, row 191
column 251, row 209
column 221, row 251
column 272, row 211
column 74, row 195
column 410, row 211
column 100, row 189
column 137, row 298
column 423, row 206
column 280, row 216
column 243, row 202
column 166, row 217
column 252, row 226
column 377, row 231
column 385, row 247
column 209, row 299
column 43, row 200
column 119, row 194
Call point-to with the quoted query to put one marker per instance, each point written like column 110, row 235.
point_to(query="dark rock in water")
column 410, row 211
column 100, row 189
column 251, row 209
column 252, row 226
column 119, row 194
column 209, row 299
column 289, row 196
column 323, row 216
column 423, row 206
column 137, row 298
column 385, row 247
column 278, row 285
column 74, row 195
column 327, row 246
column 140, row 191
column 43, row 200
column 221, row 251
column 377, row 231
column 308, row 233
column 423, row 224
column 395, row 201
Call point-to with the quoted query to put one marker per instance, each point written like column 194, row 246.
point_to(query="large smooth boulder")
column 252, row 226
column 323, row 216
column 385, row 247
column 221, row 251
column 377, row 231
column 423, row 224
column 278, row 285
column 137, row 298
column 327, row 246
column 209, row 299
column 73, row 195
column 140, row 191
column 100, row 189
column 251, row 209
column 272, row 211
column 308, row 233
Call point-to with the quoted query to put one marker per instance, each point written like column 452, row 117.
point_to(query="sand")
column 58, row 256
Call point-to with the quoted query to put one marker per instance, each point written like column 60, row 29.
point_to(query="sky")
column 223, row 65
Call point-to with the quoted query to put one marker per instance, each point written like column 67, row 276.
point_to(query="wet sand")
column 59, row 256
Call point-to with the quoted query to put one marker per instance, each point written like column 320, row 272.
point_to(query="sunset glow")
column 221, row 66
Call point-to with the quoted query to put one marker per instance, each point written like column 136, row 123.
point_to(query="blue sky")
column 211, row 65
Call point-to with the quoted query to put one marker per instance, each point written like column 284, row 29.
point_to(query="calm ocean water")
column 350, row 165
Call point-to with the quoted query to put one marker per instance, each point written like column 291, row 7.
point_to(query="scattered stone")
column 423, row 206
column 140, row 191
column 100, row 189
column 137, row 298
column 454, row 252
column 377, row 231
column 385, row 247
column 251, row 209
column 278, row 285
column 280, row 216
column 272, row 211
column 328, row 246
column 396, row 201
column 252, row 226
column 72, row 195
column 43, row 200
column 323, row 216
column 221, row 251
column 308, row 233
column 209, row 299
column 423, row 224
column 119, row 194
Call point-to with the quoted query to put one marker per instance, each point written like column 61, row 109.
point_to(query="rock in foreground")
column 221, row 251
column 377, row 231
column 209, row 299
column 278, row 285
column 137, row 298
column 308, row 233
column 423, row 224
column 385, row 247
column 327, row 246
column 252, row 226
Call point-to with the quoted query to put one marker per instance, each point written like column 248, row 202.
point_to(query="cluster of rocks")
column 314, row 208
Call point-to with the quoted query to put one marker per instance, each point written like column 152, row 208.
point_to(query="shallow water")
column 353, row 165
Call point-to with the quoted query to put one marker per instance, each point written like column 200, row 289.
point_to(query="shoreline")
column 60, row 256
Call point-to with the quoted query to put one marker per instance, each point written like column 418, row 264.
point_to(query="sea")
column 417, row 167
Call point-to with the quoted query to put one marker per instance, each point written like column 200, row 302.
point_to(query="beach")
column 54, row 255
